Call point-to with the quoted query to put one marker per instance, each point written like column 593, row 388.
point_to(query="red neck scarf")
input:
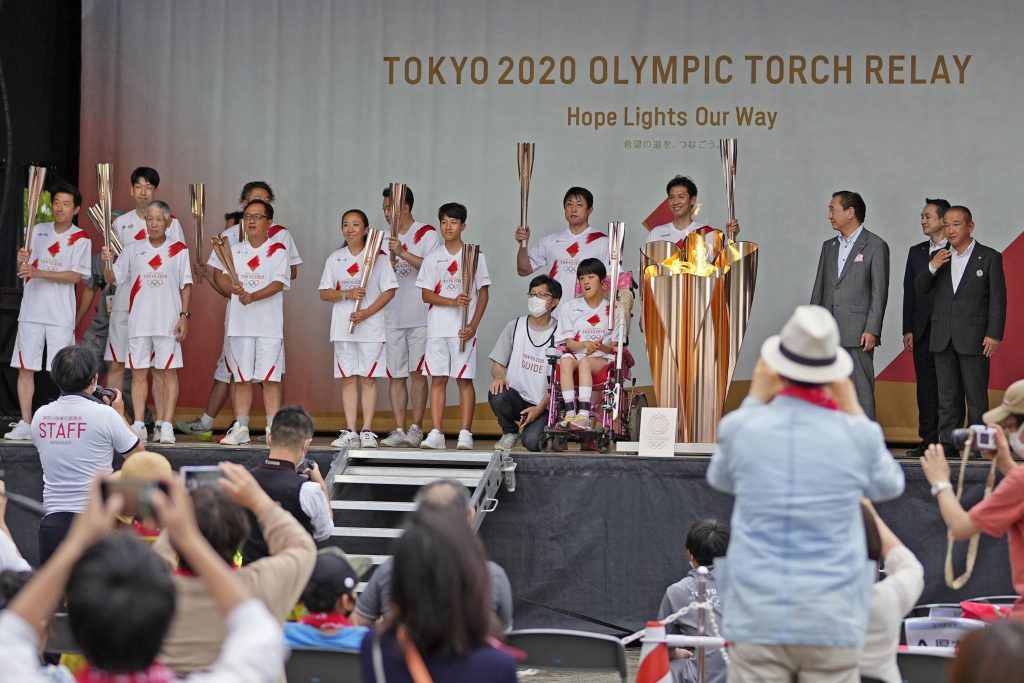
column 816, row 397
column 156, row 673
column 324, row 620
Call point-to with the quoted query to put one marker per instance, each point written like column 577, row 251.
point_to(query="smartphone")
column 194, row 476
column 984, row 438
column 137, row 494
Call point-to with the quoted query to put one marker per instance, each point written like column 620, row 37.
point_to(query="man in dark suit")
column 968, row 318
column 853, row 284
column 917, row 317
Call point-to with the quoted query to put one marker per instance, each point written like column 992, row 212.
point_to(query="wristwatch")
column 940, row 487
column 186, row 315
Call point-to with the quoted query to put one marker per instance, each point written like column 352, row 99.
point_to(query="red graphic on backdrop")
column 1008, row 363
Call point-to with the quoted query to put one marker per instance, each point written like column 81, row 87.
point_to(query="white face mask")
column 1015, row 443
column 537, row 306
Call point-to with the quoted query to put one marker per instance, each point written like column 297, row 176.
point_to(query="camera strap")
column 958, row 582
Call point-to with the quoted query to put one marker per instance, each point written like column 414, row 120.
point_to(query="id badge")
column 110, row 303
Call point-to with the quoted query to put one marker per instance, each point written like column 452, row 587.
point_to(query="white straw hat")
column 808, row 348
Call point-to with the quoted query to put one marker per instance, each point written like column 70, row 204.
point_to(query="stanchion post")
column 702, row 598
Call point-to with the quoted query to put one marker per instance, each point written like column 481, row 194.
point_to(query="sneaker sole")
column 463, row 447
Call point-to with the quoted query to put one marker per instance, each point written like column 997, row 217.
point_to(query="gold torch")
column 222, row 249
column 197, row 198
column 470, row 257
column 396, row 201
column 729, row 149
column 36, row 180
column 524, row 151
column 104, row 188
column 616, row 237
column 374, row 240
column 96, row 216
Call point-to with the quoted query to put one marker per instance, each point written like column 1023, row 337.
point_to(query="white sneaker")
column 141, row 431
column 465, row 440
column 20, row 431
column 396, row 439
column 236, row 436
column 166, row 433
column 367, row 439
column 414, row 437
column 347, row 439
column 506, row 443
column 435, row 439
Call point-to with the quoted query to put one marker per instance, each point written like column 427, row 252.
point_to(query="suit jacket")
column 976, row 310
column 857, row 296
column 917, row 308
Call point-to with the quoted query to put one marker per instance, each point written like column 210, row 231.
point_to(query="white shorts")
column 443, row 358
column 255, row 359
column 579, row 355
column 29, row 342
column 161, row 353
column 222, row 373
column 117, row 338
column 405, row 350
column 358, row 359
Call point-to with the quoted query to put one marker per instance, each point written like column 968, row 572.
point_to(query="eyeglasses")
column 542, row 295
column 253, row 216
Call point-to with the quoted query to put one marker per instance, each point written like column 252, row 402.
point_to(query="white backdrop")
column 296, row 92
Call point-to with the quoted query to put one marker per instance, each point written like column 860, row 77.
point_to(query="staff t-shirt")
column 47, row 301
column 76, row 437
column 345, row 271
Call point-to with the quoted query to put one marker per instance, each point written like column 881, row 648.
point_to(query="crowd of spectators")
column 214, row 583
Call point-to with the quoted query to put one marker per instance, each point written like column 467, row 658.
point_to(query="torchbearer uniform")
column 153, row 277
column 562, row 252
column 131, row 229
column 359, row 353
column 577, row 320
column 407, row 314
column 47, row 314
column 441, row 273
column 669, row 233
column 256, row 331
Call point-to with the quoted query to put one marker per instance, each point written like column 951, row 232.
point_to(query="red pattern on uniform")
column 573, row 249
column 140, row 235
column 420, row 233
column 274, row 229
column 554, row 270
column 453, row 268
column 54, row 248
column 253, row 263
column 155, row 263
column 276, row 246
column 594, row 236
column 75, row 236
column 176, row 249
column 136, row 288
column 594, row 320
column 353, row 269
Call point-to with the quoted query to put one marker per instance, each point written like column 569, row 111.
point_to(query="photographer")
column 1003, row 511
column 76, row 436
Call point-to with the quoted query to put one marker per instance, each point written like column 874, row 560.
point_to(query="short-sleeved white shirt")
column 441, row 273
column 76, row 438
column 561, row 252
column 47, row 301
column 275, row 232
column 131, row 228
column 257, row 268
column 407, row 308
column 345, row 271
column 577, row 320
column 154, row 278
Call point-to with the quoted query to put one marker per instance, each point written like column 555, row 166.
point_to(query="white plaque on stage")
column 658, row 431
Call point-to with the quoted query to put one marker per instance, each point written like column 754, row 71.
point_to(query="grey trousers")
column 864, row 378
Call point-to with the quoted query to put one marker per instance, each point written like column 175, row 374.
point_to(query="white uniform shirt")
column 154, row 278
column 131, row 228
column 441, row 273
column 958, row 264
column 562, row 253
column 76, row 437
column 345, row 271
column 47, row 301
column 577, row 320
column 275, row 232
column 407, row 309
column 669, row 233
column 257, row 268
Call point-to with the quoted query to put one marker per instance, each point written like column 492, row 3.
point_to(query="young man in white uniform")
column 682, row 201
column 55, row 261
column 407, row 324
column 130, row 227
column 158, row 276
column 255, row 316
column 560, row 253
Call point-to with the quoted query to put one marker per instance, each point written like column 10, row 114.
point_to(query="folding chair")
column 322, row 665
column 937, row 609
column 551, row 648
column 924, row 665
column 58, row 636
column 997, row 599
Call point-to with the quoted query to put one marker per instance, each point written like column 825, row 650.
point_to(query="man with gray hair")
column 441, row 494
column 160, row 280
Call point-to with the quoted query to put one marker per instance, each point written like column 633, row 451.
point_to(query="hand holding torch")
column 524, row 151
column 470, row 257
column 374, row 240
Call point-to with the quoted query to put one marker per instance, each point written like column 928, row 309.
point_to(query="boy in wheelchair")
column 584, row 332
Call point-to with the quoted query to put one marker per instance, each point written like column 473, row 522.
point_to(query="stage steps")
column 372, row 490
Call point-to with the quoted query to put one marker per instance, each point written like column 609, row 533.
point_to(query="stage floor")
column 598, row 535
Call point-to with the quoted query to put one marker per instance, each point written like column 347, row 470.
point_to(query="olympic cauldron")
column 696, row 305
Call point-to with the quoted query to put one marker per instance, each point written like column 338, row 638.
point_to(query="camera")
column 101, row 393
column 304, row 467
column 983, row 439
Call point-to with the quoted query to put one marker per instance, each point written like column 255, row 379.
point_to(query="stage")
column 601, row 536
